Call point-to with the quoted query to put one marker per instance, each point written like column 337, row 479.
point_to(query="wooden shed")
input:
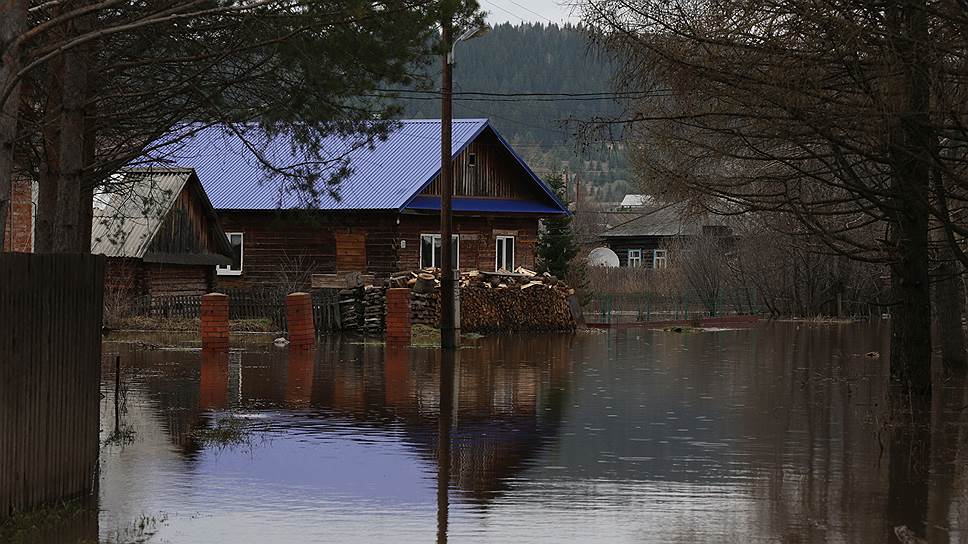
column 160, row 233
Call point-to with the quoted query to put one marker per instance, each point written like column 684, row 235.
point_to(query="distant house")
column 386, row 215
column 160, row 234
column 644, row 233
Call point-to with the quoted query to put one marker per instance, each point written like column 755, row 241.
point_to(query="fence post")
column 299, row 320
column 215, row 321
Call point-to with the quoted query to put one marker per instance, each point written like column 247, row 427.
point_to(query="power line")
column 603, row 94
column 525, row 8
column 509, row 12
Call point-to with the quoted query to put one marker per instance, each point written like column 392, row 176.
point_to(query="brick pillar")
column 20, row 225
column 215, row 322
column 398, row 315
column 299, row 316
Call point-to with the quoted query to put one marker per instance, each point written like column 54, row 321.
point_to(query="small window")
column 660, row 258
column 234, row 269
column 430, row 250
column 504, row 253
column 472, row 159
column 635, row 258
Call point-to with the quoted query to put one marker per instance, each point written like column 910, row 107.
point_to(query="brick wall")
column 18, row 236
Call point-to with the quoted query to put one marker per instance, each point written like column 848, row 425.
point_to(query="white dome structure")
column 603, row 256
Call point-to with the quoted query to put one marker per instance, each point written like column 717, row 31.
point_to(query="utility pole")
column 449, row 326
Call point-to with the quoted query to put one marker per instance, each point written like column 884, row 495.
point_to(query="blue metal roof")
column 385, row 176
column 485, row 205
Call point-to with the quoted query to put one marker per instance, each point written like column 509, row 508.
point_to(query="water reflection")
column 775, row 433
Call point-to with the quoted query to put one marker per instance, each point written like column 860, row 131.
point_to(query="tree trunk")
column 48, row 172
column 13, row 19
column 911, row 314
column 949, row 307
column 63, row 189
column 911, row 155
column 67, row 226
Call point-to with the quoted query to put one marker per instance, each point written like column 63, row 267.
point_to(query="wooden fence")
column 246, row 304
column 50, row 373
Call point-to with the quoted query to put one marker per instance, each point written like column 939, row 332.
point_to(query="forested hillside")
column 528, row 59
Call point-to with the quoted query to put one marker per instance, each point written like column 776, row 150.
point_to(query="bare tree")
column 826, row 111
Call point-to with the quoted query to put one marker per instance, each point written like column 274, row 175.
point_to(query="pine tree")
column 557, row 246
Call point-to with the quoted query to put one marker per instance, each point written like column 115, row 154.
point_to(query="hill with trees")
column 516, row 68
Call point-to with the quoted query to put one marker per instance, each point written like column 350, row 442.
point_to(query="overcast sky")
column 537, row 11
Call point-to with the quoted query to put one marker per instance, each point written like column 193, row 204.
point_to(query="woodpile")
column 490, row 302
column 374, row 309
column 424, row 308
column 519, row 301
column 351, row 309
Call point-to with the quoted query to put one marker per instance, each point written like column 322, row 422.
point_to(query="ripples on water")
column 774, row 433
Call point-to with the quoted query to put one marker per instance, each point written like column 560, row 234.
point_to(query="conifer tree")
column 557, row 246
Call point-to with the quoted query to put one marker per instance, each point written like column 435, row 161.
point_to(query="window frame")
column 629, row 258
column 222, row 270
column 497, row 253
column 664, row 258
column 472, row 160
column 436, row 236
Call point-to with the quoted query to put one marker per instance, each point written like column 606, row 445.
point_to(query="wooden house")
column 160, row 234
column 646, row 234
column 384, row 214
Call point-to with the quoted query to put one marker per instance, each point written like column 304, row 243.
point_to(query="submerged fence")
column 618, row 308
column 50, row 373
column 648, row 307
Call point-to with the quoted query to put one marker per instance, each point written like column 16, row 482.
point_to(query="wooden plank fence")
column 246, row 304
column 50, row 374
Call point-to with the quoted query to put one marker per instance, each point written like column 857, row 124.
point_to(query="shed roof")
column 661, row 220
column 385, row 176
column 128, row 219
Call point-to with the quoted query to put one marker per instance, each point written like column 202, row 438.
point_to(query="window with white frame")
column 234, row 269
column 504, row 253
column 635, row 258
column 660, row 258
column 430, row 250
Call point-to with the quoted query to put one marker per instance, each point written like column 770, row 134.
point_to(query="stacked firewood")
column 425, row 308
column 518, row 301
column 490, row 302
column 374, row 309
column 493, row 301
column 351, row 309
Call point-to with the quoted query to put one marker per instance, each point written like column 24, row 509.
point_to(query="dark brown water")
column 776, row 433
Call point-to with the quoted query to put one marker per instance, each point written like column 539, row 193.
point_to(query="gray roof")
column 660, row 220
column 126, row 220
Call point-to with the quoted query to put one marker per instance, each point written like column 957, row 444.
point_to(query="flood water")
column 773, row 433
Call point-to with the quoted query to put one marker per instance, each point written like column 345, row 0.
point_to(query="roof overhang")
column 492, row 206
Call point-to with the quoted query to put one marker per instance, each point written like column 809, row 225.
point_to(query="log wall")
column 135, row 278
column 164, row 280
column 622, row 245
column 478, row 239
column 276, row 244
